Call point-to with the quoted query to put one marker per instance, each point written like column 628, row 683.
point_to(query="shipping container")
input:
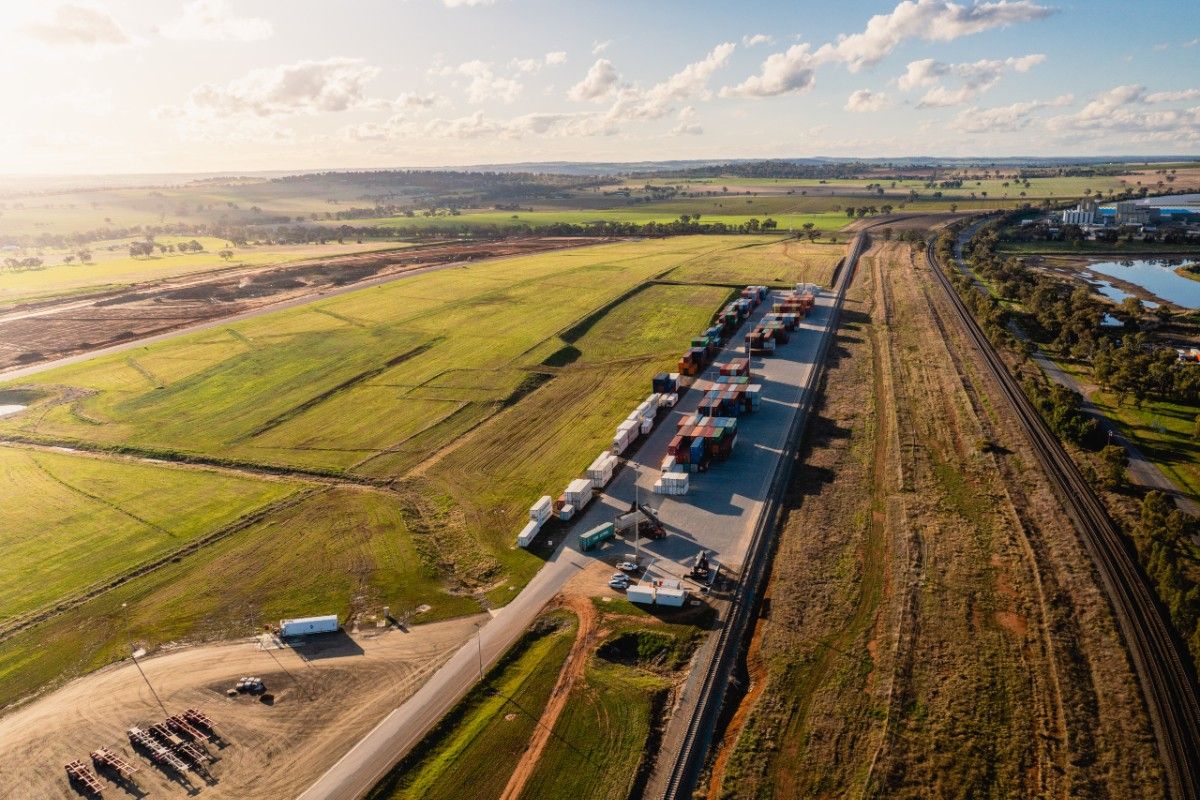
column 566, row 512
column 640, row 593
column 540, row 511
column 304, row 626
column 527, row 534
column 588, row 540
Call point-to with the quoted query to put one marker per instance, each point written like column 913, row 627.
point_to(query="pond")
column 1157, row 276
column 1112, row 292
column 5, row 410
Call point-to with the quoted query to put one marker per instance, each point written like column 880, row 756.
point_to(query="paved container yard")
column 722, row 504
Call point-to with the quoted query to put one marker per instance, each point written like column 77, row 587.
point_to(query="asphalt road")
column 718, row 514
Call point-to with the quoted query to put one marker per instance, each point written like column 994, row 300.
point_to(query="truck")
column 647, row 523
column 588, row 540
column 305, row 626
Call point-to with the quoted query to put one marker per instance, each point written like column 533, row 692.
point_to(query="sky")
column 145, row 86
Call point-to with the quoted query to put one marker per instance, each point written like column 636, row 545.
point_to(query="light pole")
column 479, row 647
column 136, row 651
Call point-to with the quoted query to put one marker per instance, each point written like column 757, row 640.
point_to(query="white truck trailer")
column 306, row 626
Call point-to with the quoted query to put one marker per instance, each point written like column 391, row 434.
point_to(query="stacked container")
column 739, row 366
column 539, row 512
column 601, row 470
column 665, row 383
column 674, row 483
column 627, row 433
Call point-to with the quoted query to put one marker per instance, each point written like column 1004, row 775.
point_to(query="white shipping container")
column 669, row 400
column 540, row 511
column 619, row 443
column 640, row 593
column 303, row 626
column 670, row 597
column 527, row 533
column 660, row 487
column 647, row 425
column 566, row 512
column 667, row 463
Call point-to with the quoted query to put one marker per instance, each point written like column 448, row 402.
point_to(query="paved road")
column 1142, row 470
column 718, row 513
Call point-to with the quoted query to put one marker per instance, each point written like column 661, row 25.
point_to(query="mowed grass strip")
column 335, row 551
column 71, row 521
column 473, row 751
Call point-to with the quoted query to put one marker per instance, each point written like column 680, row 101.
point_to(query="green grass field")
column 475, row 748
column 736, row 214
column 76, row 521
column 333, row 552
column 600, row 740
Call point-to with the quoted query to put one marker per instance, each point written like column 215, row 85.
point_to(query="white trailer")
column 641, row 593
column 305, row 626
column 540, row 511
column 527, row 534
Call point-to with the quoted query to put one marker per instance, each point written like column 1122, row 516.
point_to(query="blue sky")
column 202, row 85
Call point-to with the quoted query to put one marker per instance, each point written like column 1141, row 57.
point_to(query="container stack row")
column 698, row 440
column 539, row 512
column 776, row 327
column 641, row 420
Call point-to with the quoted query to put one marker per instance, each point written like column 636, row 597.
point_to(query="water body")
column 1112, row 292
column 5, row 410
column 1157, row 276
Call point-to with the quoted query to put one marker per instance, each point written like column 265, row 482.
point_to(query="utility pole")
column 479, row 647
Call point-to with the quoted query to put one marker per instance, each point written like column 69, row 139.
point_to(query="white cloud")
column 922, row 73
column 484, row 83
column 416, row 100
column 599, row 83
column 76, row 25
column 1191, row 43
column 1005, row 118
column 931, row 20
column 687, row 123
column 535, row 64
column 865, row 100
column 1122, row 110
column 555, row 58
column 599, row 47
column 305, row 87
column 215, row 20
column 1173, row 97
column 791, row 71
column 467, row 3
column 757, row 39
column 657, row 101
column 1160, row 47
column 976, row 78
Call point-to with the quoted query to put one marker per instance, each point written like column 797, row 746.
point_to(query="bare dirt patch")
column 322, row 702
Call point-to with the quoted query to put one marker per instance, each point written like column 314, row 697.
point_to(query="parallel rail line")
column 1167, row 684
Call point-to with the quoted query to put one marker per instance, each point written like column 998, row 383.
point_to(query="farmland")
column 443, row 404
column 95, row 518
column 114, row 268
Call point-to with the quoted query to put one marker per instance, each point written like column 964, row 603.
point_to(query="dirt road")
column 325, row 698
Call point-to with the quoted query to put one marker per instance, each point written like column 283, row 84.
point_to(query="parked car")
column 628, row 566
column 619, row 583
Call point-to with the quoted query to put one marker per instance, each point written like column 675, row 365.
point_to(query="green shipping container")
column 589, row 539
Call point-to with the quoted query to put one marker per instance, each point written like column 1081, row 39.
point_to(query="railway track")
column 688, row 760
column 1167, row 684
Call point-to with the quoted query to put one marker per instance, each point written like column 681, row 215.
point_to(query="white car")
column 619, row 582
column 628, row 566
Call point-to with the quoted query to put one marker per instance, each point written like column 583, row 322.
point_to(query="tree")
column 85, row 256
column 68, row 259
column 1114, row 462
column 226, row 254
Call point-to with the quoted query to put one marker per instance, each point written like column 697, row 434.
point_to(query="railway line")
column 1167, row 683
